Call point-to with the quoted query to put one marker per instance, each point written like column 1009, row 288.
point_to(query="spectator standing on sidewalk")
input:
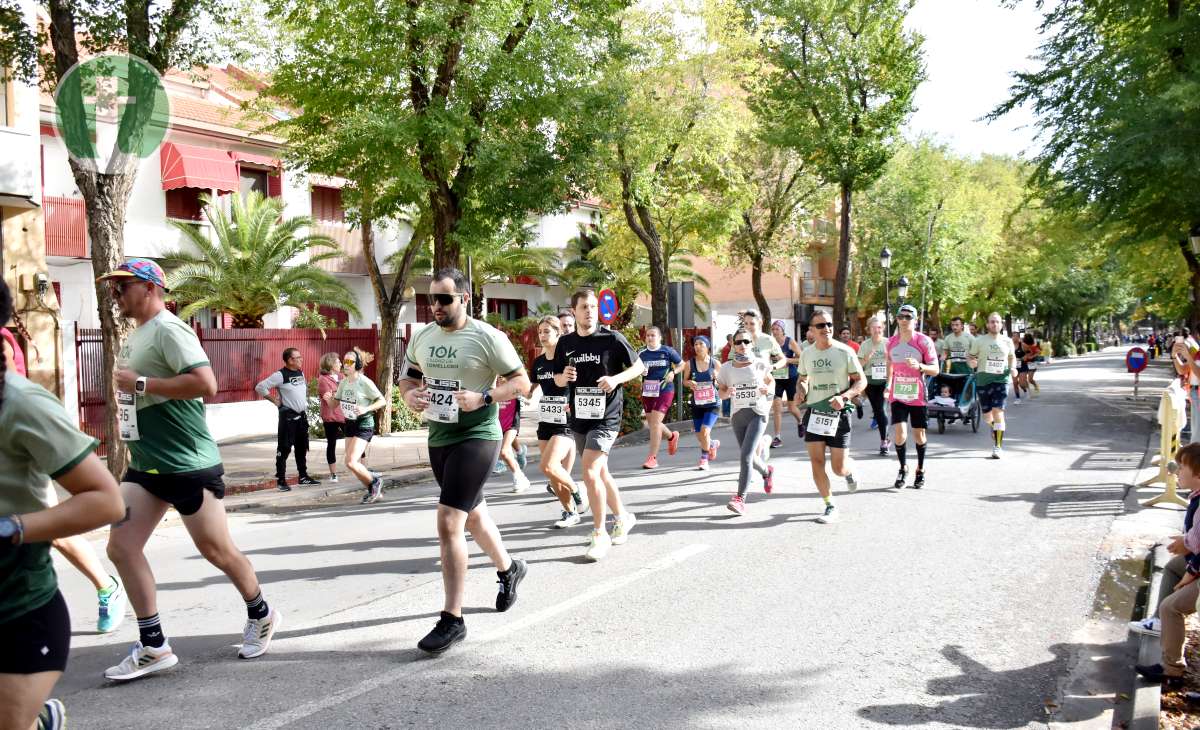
column 291, row 398
column 331, row 413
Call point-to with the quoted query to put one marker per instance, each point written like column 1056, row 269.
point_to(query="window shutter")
column 275, row 185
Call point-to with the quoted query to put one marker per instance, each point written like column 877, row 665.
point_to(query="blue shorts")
column 702, row 417
column 992, row 395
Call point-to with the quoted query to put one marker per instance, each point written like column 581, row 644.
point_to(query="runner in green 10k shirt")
column 955, row 347
column 992, row 357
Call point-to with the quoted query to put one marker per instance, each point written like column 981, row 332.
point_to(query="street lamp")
column 1194, row 240
column 902, row 288
column 885, row 263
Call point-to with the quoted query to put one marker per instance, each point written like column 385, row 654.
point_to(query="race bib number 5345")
column 589, row 404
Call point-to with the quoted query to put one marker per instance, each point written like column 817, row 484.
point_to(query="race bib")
column 823, row 424
column 650, row 388
column 879, row 371
column 127, row 416
column 958, row 354
column 995, row 366
column 349, row 410
column 906, row 389
column 780, row 374
column 553, row 409
column 443, row 406
column 744, row 396
column 589, row 404
column 704, row 394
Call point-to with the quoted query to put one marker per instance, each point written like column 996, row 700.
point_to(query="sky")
column 971, row 49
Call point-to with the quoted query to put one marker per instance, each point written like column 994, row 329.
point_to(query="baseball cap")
column 907, row 309
column 137, row 268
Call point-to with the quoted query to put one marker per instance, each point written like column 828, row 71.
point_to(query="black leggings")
column 878, row 408
column 333, row 432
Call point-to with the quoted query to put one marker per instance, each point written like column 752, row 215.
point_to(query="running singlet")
column 993, row 352
column 746, row 385
column 37, row 443
column 875, row 357
column 468, row 359
column 604, row 352
column 908, row 383
column 955, row 348
column 788, row 348
column 552, row 407
column 658, row 362
column 828, row 372
column 704, row 397
column 171, row 435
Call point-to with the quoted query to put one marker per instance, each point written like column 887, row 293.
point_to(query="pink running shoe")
column 673, row 443
column 713, row 445
column 651, row 463
column 737, row 505
column 769, row 480
column 703, row 464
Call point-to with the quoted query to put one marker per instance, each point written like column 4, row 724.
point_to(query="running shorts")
column 461, row 470
column 662, row 403
column 992, row 396
column 1022, row 367
column 918, row 416
column 356, row 429
column 37, row 641
column 183, row 491
column 704, row 417
column 785, row 388
column 547, row 431
column 839, row 441
column 597, row 439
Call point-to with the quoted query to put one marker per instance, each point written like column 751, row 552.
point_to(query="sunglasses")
column 119, row 289
column 741, row 342
column 445, row 299
column 904, row 316
column 823, row 325
column 351, row 361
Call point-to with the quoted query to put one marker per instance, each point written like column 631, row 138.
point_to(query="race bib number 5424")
column 443, row 406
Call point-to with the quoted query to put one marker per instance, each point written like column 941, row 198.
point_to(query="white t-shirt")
column 748, row 379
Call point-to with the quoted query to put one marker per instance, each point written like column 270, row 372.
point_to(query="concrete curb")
column 1147, row 696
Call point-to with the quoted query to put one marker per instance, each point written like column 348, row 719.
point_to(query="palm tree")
column 245, row 271
column 504, row 261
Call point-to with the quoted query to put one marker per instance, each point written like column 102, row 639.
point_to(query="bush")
column 403, row 417
column 315, row 429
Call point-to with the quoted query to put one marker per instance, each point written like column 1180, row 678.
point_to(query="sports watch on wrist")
column 139, row 385
column 11, row 527
column 487, row 397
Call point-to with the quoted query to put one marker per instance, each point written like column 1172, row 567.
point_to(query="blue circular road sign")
column 609, row 307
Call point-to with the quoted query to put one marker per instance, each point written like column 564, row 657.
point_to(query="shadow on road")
column 1059, row 501
column 987, row 698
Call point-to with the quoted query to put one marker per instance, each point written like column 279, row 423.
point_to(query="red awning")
column 254, row 159
column 187, row 166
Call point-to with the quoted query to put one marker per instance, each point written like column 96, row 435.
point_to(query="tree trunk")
column 105, row 198
column 843, row 264
column 658, row 281
column 935, row 315
column 756, row 272
column 445, row 211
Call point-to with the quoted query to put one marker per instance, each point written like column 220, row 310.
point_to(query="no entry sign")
column 609, row 307
column 1136, row 360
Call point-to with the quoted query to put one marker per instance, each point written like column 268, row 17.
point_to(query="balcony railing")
column 66, row 227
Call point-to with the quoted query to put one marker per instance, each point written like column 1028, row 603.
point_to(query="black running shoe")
column 374, row 491
column 507, row 595
column 307, row 481
column 900, row 479
column 283, row 486
column 919, row 479
column 858, row 411
column 448, row 631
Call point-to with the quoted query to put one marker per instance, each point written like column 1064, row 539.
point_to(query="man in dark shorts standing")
column 450, row 376
column 162, row 377
column 595, row 362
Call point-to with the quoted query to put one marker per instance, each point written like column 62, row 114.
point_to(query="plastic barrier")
column 1168, row 444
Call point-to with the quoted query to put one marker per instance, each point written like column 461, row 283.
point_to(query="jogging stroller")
column 966, row 407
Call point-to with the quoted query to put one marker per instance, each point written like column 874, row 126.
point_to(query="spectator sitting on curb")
column 331, row 413
column 1179, row 584
column 291, row 398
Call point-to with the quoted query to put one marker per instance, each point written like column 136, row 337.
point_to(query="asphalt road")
column 966, row 604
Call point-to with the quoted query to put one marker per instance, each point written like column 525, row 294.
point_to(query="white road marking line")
column 283, row 719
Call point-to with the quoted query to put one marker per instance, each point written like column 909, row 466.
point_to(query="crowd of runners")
column 459, row 374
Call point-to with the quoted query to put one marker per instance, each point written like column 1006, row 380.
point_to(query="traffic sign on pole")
column 609, row 307
column 1136, row 360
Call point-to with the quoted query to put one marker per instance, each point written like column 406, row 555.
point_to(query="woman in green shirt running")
column 359, row 398
column 39, row 443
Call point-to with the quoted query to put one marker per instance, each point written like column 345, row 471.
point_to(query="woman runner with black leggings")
column 873, row 356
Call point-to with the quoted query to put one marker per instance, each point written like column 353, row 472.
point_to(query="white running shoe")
column 621, row 529
column 583, row 505
column 995, row 452
column 256, row 637
column 520, row 483
column 142, row 660
column 598, row 546
column 1151, row 626
column 851, row 483
column 830, row 515
column 569, row 519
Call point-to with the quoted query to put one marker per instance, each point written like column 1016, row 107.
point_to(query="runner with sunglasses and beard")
column 450, row 376
column 830, row 378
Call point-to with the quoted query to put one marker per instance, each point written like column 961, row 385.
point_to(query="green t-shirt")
column 767, row 349
column 828, row 372
column 994, row 348
column 37, row 443
column 872, row 355
column 354, row 396
column 954, row 348
column 467, row 359
column 174, row 433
